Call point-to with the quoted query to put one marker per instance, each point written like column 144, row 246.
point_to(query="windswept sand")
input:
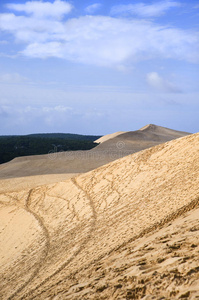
column 127, row 230
column 83, row 161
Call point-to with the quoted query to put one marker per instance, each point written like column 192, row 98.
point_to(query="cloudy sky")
column 96, row 67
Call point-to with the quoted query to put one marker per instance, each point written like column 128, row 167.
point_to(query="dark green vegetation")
column 69, row 136
column 35, row 144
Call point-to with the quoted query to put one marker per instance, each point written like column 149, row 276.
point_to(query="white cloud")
column 114, row 42
column 51, row 49
column 93, row 8
column 161, row 84
column 29, row 29
column 100, row 40
column 39, row 9
column 152, row 10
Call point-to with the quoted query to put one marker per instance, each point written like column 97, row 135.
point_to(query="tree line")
column 15, row 146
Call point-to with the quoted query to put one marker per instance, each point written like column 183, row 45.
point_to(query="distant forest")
column 35, row 144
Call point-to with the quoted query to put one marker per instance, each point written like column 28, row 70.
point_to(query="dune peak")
column 149, row 126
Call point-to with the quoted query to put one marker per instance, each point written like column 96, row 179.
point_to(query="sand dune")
column 127, row 230
column 134, row 141
column 83, row 161
column 108, row 137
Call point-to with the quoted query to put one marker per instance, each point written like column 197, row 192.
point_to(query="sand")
column 21, row 183
column 83, row 161
column 108, row 137
column 126, row 230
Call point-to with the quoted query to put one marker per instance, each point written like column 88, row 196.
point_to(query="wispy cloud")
column 93, row 8
column 58, row 108
column 143, row 10
column 161, row 84
column 54, row 118
column 12, row 78
column 39, row 9
column 9, row 55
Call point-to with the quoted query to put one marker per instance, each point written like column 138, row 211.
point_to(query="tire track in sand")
column 81, row 247
column 46, row 247
column 194, row 204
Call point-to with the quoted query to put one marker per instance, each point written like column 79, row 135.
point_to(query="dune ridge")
column 95, row 217
column 83, row 161
column 108, row 136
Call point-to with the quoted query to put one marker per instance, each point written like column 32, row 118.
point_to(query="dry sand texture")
column 83, row 161
column 127, row 230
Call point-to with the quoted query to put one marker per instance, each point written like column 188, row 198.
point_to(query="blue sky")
column 96, row 67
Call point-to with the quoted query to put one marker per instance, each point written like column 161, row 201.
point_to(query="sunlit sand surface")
column 128, row 229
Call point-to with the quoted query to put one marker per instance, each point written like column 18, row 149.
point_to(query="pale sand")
column 160, row 265
column 29, row 182
column 103, row 234
column 84, row 161
column 108, row 137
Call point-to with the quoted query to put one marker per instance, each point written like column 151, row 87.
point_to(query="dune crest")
column 88, row 222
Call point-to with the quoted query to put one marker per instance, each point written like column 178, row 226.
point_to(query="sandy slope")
column 29, row 182
column 108, row 137
column 84, row 161
column 117, row 232
column 160, row 265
